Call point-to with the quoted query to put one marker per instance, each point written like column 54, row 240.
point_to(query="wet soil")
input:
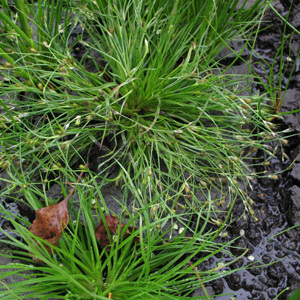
column 271, row 237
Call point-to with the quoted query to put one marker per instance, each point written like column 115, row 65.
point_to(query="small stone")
column 296, row 172
column 235, row 279
column 256, row 285
column 296, row 196
column 298, row 156
column 253, row 234
column 266, row 259
column 280, row 254
column 276, row 272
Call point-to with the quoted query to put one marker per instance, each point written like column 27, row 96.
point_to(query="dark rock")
column 296, row 20
column 200, row 292
column 291, row 102
column 266, row 259
column 296, row 172
column 257, row 285
column 298, row 157
column 234, row 281
column 295, row 48
column 256, row 271
column 281, row 253
column 296, row 196
column 269, row 247
column 276, row 271
column 218, row 286
column 253, row 234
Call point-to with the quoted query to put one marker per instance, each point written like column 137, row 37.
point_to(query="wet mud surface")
column 271, row 235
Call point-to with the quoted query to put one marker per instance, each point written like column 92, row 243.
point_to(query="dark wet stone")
column 253, row 234
column 269, row 247
column 276, row 271
column 291, row 102
column 296, row 171
column 234, row 281
column 218, row 286
column 262, row 279
column 256, row 294
column 199, row 292
column 295, row 48
column 296, row 196
column 256, row 271
column 281, row 253
column 295, row 260
column 294, row 211
column 296, row 20
column 266, row 259
column 278, row 246
column 238, row 264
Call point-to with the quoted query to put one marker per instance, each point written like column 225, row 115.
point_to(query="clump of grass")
column 276, row 82
column 148, row 94
column 162, row 264
column 148, row 85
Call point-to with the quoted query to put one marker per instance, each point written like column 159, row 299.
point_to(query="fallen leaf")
column 50, row 221
column 113, row 224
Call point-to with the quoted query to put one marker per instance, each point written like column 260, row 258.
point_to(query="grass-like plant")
column 273, row 80
column 34, row 35
column 162, row 263
column 147, row 92
column 148, row 97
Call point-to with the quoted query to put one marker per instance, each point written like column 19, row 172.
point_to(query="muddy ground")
column 272, row 237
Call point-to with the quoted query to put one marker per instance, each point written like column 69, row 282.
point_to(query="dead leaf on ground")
column 113, row 224
column 50, row 221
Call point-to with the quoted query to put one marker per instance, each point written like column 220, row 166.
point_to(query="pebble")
column 296, row 171
column 235, row 279
column 296, row 196
column 275, row 271
column 253, row 234
column 266, row 259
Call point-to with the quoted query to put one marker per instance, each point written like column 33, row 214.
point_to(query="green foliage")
column 148, row 84
column 273, row 86
column 148, row 96
column 157, row 266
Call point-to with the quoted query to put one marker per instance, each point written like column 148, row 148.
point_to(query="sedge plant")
column 147, row 105
column 147, row 92
column 160, row 264
column 273, row 80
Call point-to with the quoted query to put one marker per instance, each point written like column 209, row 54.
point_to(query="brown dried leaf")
column 50, row 221
column 113, row 224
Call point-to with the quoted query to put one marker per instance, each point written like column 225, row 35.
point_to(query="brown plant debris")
column 51, row 220
column 113, row 224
